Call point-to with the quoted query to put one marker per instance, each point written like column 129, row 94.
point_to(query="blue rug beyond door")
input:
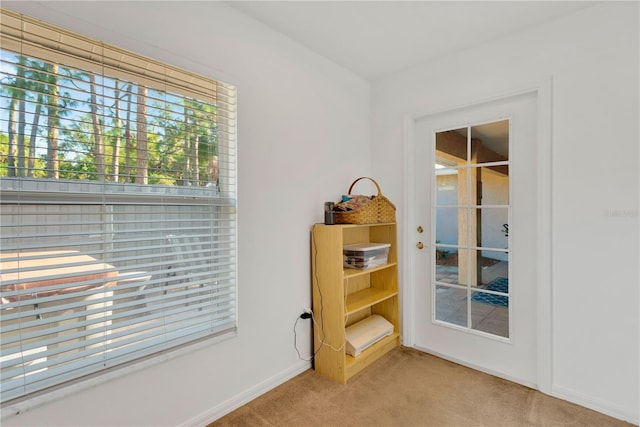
column 500, row 284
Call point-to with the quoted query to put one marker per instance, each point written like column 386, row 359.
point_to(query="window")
column 118, row 206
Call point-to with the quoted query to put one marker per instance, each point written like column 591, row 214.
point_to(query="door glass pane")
column 488, row 314
column 451, row 305
column 490, row 142
column 494, row 267
column 447, row 264
column 446, row 191
column 451, row 147
column 492, row 184
column 447, row 226
column 492, row 227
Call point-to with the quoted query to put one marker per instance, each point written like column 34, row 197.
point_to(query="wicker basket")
column 379, row 210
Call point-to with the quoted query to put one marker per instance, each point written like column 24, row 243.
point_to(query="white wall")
column 593, row 58
column 303, row 136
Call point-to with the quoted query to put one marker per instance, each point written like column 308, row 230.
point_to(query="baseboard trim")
column 246, row 396
column 598, row 405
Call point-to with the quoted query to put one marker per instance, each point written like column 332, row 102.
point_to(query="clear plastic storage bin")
column 365, row 255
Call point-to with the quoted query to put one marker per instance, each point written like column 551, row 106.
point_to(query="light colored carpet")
column 410, row 388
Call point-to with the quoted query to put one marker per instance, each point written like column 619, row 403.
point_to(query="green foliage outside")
column 62, row 123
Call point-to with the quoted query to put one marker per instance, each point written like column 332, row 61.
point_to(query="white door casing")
column 526, row 356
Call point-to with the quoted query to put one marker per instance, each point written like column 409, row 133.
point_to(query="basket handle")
column 365, row 177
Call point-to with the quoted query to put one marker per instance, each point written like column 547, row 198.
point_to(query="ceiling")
column 377, row 38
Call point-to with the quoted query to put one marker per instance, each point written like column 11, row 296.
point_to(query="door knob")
column 419, row 245
column 420, row 229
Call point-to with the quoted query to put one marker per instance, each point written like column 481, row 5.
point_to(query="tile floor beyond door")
column 451, row 303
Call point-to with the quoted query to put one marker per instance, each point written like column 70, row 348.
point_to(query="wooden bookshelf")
column 343, row 296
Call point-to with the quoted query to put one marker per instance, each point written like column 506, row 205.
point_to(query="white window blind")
column 118, row 206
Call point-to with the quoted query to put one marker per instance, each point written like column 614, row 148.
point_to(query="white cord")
column 320, row 327
column 322, row 342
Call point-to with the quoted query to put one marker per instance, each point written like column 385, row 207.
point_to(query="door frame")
column 544, row 323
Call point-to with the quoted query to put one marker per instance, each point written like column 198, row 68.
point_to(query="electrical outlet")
column 307, row 310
